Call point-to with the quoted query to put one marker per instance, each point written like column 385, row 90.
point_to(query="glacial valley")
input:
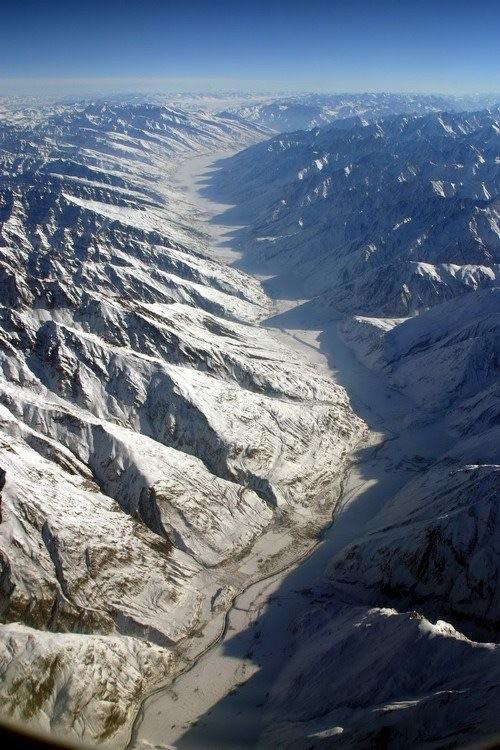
column 249, row 423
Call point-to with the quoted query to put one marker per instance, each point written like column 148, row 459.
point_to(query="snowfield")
column 308, row 111
column 250, row 504
column 387, row 234
column 151, row 431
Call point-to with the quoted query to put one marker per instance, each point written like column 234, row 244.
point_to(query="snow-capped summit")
column 309, row 111
column 164, row 450
column 382, row 219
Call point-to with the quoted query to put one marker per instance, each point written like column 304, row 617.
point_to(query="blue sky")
column 66, row 47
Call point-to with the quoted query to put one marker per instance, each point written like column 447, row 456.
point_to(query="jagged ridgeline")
column 150, row 431
column 391, row 227
column 308, row 111
column 161, row 447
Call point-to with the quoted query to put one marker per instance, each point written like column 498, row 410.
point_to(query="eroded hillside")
column 151, row 431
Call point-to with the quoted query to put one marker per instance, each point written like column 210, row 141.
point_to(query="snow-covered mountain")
column 385, row 218
column 150, row 431
column 440, row 532
column 364, row 677
column 308, row 111
column 391, row 229
column 160, row 449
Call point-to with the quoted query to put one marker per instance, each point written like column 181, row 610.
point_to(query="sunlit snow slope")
column 150, row 431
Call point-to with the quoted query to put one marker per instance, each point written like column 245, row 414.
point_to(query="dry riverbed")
column 217, row 697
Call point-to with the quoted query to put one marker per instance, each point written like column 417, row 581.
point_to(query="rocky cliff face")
column 150, row 431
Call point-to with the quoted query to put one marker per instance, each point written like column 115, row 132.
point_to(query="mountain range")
column 164, row 441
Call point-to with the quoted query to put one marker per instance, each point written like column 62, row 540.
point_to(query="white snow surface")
column 151, row 432
column 395, row 646
column 309, row 111
column 172, row 440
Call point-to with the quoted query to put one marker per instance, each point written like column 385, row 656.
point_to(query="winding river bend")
column 218, row 698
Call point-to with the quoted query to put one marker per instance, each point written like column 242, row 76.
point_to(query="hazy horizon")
column 70, row 49
column 85, row 90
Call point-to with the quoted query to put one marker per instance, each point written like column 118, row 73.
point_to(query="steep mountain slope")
column 440, row 532
column 365, row 678
column 151, row 432
column 384, row 218
column 159, row 448
column 393, row 229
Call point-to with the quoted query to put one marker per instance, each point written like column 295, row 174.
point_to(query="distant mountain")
column 308, row 111
column 385, row 218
